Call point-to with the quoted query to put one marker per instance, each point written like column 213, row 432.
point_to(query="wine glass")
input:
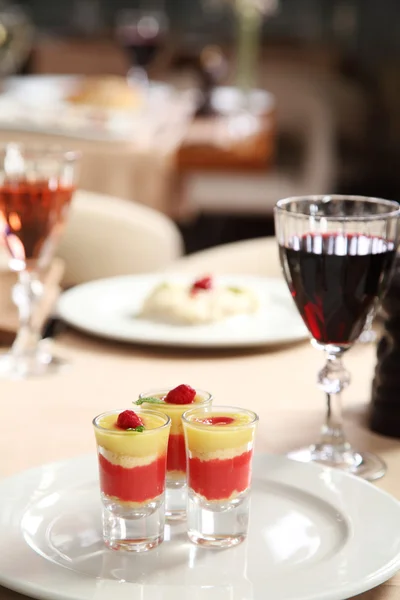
column 141, row 32
column 337, row 254
column 36, row 187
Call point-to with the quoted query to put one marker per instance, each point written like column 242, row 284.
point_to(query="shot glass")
column 176, row 490
column 132, row 468
column 219, row 446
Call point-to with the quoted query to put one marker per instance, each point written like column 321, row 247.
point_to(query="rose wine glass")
column 337, row 254
column 36, row 187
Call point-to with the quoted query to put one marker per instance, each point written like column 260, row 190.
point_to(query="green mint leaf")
column 235, row 290
column 150, row 400
column 140, row 428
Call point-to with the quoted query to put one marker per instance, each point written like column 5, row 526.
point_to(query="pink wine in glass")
column 334, row 280
column 32, row 215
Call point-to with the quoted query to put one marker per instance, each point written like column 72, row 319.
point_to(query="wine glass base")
column 24, row 367
column 363, row 464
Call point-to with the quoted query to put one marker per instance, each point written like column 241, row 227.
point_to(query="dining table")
column 278, row 382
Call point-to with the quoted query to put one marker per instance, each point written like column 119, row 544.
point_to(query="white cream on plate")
column 177, row 303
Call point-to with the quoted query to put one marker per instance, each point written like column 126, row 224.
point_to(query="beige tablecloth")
column 279, row 383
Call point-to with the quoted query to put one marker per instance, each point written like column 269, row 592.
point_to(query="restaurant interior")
column 199, row 192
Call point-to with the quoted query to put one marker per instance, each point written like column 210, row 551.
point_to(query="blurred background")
column 242, row 102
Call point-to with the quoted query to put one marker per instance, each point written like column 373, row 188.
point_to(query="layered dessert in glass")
column 174, row 403
column 132, row 455
column 219, row 445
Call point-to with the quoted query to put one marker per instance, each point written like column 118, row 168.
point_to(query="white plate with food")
column 103, row 108
column 315, row 534
column 238, row 311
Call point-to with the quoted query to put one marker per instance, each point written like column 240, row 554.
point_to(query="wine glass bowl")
column 36, row 188
column 141, row 32
column 337, row 254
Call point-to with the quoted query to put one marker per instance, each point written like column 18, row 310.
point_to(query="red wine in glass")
column 142, row 50
column 337, row 254
column 32, row 216
column 334, row 280
column 141, row 33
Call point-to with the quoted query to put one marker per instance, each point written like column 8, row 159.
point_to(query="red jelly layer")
column 217, row 479
column 137, row 484
column 176, row 458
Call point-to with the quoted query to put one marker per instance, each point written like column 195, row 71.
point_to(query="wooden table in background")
column 59, row 409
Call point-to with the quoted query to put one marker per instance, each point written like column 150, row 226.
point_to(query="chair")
column 107, row 236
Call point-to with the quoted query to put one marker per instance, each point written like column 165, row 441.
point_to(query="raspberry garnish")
column 217, row 421
column 204, row 283
column 183, row 394
column 128, row 419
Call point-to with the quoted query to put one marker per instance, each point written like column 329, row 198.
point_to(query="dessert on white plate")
column 106, row 92
column 198, row 303
column 113, row 308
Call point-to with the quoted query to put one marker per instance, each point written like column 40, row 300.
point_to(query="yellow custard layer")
column 152, row 441
column 175, row 411
column 203, row 438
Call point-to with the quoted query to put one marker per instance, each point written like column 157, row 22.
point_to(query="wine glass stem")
column 332, row 431
column 26, row 295
column 333, row 378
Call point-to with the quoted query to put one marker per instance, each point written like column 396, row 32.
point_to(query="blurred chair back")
column 304, row 113
column 306, row 165
column 107, row 236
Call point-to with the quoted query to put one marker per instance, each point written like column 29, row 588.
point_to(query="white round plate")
column 315, row 534
column 37, row 103
column 108, row 307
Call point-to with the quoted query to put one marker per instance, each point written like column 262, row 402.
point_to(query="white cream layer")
column 128, row 462
column 233, row 496
column 129, row 504
column 226, row 454
column 174, row 475
column 174, row 303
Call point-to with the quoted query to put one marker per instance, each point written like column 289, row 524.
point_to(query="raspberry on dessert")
column 183, row 394
column 204, row 283
column 128, row 419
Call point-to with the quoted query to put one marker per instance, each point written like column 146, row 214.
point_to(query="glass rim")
column 221, row 409
column 207, row 396
column 281, row 207
column 42, row 150
column 122, row 431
